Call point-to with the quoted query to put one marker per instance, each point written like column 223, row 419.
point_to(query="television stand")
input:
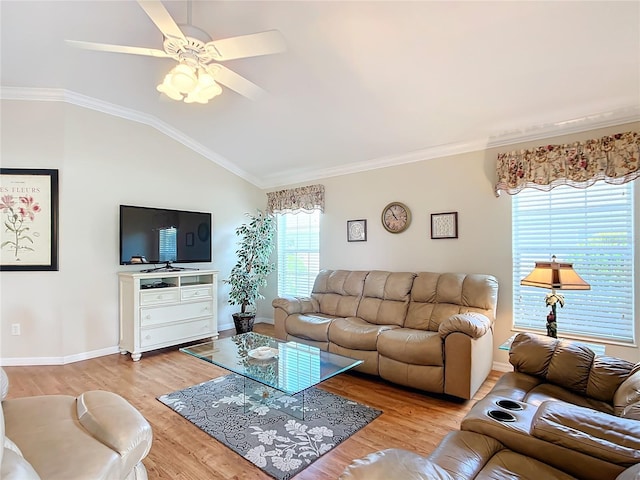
column 162, row 309
column 167, row 268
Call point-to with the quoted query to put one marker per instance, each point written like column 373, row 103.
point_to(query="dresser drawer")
column 193, row 293
column 174, row 313
column 175, row 333
column 160, row 296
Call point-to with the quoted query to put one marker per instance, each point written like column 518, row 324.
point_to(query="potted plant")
column 249, row 274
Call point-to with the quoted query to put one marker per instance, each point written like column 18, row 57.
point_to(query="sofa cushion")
column 394, row 463
column 569, row 365
column 338, row 291
column 416, row 347
column 436, row 297
column 355, row 333
column 311, row 326
column 386, row 297
column 596, row 434
column 471, row 455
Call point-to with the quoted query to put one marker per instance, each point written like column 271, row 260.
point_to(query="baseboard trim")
column 26, row 361
column 502, row 367
column 78, row 357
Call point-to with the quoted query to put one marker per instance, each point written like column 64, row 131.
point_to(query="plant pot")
column 243, row 322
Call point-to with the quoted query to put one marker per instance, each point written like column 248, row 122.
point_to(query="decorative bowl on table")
column 263, row 353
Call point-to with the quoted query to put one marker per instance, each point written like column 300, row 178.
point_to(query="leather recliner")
column 563, row 413
column 97, row 435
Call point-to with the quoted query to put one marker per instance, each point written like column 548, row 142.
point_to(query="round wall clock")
column 396, row 217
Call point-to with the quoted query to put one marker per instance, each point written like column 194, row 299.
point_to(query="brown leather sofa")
column 97, row 436
column 571, row 408
column 562, row 413
column 430, row 331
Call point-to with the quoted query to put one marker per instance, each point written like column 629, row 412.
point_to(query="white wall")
column 103, row 161
column 461, row 183
column 107, row 161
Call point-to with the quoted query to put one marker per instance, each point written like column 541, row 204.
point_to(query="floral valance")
column 306, row 199
column 614, row 159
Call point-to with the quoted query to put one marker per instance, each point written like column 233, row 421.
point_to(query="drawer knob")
column 148, row 337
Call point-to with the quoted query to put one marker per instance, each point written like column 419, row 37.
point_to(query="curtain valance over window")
column 306, row 199
column 614, row 159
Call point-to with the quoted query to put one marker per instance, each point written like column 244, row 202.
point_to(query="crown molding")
column 613, row 117
column 73, row 98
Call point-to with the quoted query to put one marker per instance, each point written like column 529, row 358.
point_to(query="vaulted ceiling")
column 362, row 84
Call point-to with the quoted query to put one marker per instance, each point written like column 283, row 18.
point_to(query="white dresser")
column 160, row 309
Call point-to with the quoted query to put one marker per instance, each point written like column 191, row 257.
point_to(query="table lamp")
column 556, row 276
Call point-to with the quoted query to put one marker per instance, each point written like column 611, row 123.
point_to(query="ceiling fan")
column 197, row 77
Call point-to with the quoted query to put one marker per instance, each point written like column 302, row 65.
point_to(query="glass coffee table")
column 272, row 368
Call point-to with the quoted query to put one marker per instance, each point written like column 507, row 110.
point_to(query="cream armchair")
column 97, row 435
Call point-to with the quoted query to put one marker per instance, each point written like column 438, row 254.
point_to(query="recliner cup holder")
column 509, row 404
column 501, row 416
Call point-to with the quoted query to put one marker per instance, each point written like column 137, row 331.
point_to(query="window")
column 298, row 252
column 591, row 228
column 168, row 244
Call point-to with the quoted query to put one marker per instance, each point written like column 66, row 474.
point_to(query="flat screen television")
column 158, row 235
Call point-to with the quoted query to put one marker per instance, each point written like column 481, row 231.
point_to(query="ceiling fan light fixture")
column 183, row 78
column 203, row 93
column 167, row 88
column 211, row 91
column 205, row 79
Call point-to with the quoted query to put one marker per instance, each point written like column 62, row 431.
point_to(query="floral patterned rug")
column 264, row 431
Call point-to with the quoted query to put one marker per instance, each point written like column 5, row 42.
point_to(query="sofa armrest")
column 394, row 463
column 292, row 305
column 117, row 424
column 610, row 438
column 626, row 400
column 471, row 323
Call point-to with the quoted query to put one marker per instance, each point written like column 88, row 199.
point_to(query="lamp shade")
column 555, row 275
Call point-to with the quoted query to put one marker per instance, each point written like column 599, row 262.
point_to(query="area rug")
column 265, row 433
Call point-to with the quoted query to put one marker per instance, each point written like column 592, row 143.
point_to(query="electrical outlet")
column 15, row 329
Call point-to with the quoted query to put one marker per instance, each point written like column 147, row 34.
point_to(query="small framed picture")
column 444, row 225
column 190, row 239
column 356, row 230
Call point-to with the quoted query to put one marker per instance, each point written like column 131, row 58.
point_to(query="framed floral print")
column 29, row 211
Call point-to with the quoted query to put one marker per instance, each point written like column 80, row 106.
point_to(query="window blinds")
column 298, row 252
column 591, row 228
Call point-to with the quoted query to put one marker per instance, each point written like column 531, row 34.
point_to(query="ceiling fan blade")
column 253, row 45
column 235, row 82
column 159, row 15
column 105, row 47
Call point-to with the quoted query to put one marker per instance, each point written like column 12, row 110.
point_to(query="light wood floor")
column 410, row 419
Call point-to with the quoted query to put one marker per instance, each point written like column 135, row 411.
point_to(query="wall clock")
column 396, row 217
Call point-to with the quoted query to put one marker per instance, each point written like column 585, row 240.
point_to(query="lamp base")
column 552, row 326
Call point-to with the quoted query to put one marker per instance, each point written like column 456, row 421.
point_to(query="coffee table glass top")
column 286, row 366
